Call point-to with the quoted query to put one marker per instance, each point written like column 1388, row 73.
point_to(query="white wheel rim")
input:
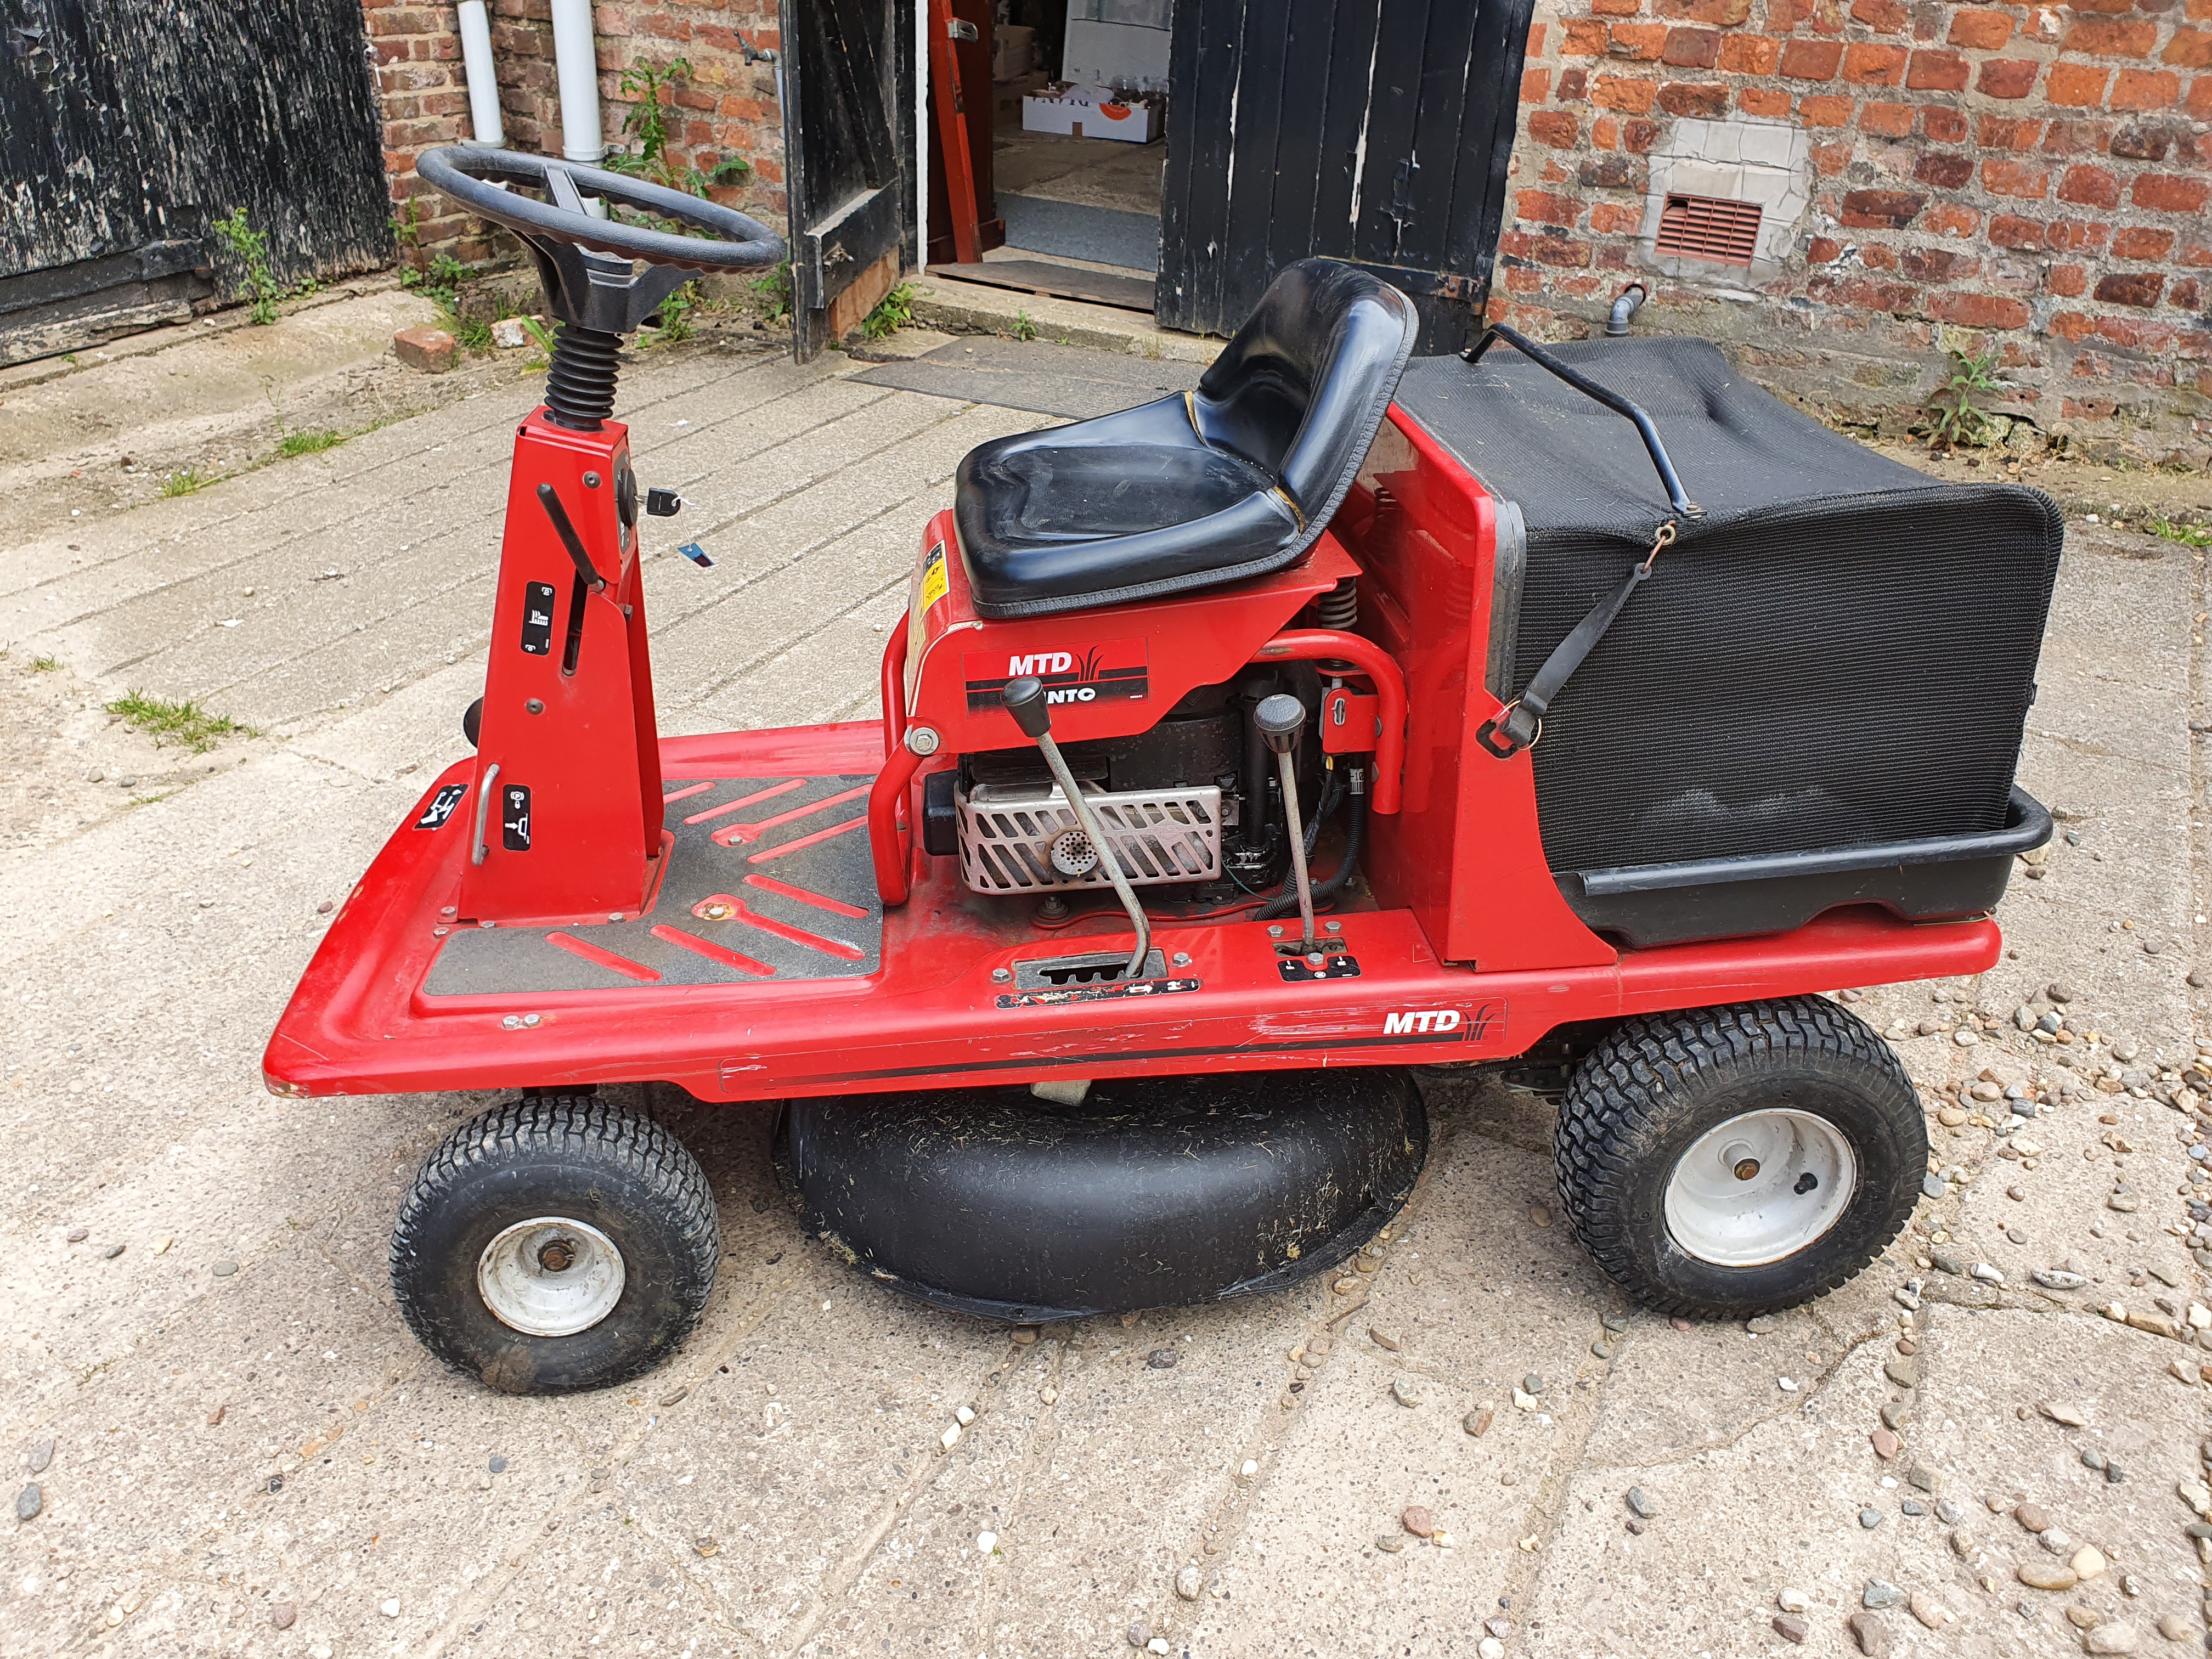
column 550, row 1276
column 1760, row 1187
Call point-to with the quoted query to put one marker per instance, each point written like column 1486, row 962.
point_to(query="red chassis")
column 1465, row 950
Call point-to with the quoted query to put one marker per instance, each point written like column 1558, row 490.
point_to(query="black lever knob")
column 1025, row 701
column 1282, row 720
column 662, row 503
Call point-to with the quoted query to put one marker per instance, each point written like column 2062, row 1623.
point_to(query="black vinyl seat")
column 1235, row 479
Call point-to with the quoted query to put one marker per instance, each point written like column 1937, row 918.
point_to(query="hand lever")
column 1282, row 720
column 550, row 499
column 1025, row 701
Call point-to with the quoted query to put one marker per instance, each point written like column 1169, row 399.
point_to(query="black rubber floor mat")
column 769, row 879
column 1075, row 230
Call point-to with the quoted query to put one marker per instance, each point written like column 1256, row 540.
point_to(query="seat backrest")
column 1302, row 388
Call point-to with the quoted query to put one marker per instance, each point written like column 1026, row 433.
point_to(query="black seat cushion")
column 1235, row 479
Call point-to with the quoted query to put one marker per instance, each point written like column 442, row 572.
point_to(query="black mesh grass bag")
column 1841, row 653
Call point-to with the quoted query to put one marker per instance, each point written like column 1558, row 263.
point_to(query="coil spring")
column 580, row 386
column 1340, row 609
column 1340, row 606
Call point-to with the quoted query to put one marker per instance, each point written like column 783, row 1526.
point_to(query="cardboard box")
column 1083, row 111
column 1013, row 51
column 1007, row 97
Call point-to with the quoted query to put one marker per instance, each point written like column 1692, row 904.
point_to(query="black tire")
column 577, row 1157
column 1639, row 1101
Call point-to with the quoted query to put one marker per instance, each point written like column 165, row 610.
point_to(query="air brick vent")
column 1709, row 227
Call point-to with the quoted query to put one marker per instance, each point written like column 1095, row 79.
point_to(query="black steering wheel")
column 472, row 177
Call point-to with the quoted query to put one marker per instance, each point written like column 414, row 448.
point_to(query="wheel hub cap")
column 1760, row 1187
column 550, row 1276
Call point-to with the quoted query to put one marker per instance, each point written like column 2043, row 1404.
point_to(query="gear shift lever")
column 1282, row 720
column 1025, row 701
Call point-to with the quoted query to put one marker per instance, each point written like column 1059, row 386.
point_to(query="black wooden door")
column 1370, row 130
column 848, row 152
column 126, row 129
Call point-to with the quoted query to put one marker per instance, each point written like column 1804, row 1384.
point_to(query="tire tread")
column 582, row 1131
column 1630, row 1073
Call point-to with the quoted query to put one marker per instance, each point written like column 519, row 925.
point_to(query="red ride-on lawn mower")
column 1240, row 753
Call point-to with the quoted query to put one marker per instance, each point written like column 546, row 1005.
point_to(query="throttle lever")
column 1025, row 701
column 1282, row 720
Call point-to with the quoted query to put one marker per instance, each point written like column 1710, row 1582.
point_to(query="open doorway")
column 1067, row 193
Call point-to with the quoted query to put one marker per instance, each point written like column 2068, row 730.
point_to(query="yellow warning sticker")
column 933, row 579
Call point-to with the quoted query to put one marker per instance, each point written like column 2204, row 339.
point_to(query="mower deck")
column 951, row 989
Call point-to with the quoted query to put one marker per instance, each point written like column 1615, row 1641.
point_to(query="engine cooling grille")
column 1007, row 836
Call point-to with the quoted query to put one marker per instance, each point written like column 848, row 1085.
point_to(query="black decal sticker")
column 1112, row 670
column 1143, row 987
column 441, row 806
column 514, row 817
column 1296, row 969
column 537, row 619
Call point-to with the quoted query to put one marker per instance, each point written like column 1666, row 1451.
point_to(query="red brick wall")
column 728, row 107
column 2036, row 177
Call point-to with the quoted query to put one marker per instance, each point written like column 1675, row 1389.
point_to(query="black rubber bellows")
column 1154, row 1191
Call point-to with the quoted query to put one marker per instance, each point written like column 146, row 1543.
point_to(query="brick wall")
column 2034, row 177
column 728, row 108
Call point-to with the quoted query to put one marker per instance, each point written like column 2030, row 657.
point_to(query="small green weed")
column 146, row 800
column 2189, row 535
column 314, row 441
column 475, row 339
column 183, row 723
column 893, row 312
column 69, row 357
column 250, row 247
column 45, row 665
column 774, row 288
column 185, row 482
column 1960, row 420
column 674, row 317
column 439, row 282
column 404, row 230
column 542, row 337
column 1024, row 330
column 648, row 123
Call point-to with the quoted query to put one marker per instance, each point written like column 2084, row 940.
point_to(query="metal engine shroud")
column 1025, row 838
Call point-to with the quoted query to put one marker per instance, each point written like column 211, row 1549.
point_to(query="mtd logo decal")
column 1112, row 670
column 1446, row 1025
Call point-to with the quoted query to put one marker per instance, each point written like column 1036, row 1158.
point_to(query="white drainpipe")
column 576, row 53
column 483, row 78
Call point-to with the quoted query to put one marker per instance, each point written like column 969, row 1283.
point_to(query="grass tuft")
column 183, row 723
column 314, row 441
column 185, row 482
column 2189, row 535
column 45, row 665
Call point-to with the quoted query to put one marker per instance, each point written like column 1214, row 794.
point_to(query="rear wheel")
column 555, row 1243
column 1726, row 1162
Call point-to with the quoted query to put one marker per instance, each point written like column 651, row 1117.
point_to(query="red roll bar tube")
column 1318, row 644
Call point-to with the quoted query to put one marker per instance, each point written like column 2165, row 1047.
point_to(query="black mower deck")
column 768, row 879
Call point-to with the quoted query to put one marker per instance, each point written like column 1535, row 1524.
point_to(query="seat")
column 1235, row 479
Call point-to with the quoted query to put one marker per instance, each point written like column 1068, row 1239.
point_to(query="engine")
column 1192, row 803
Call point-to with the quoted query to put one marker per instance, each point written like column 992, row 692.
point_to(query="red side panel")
column 1465, row 855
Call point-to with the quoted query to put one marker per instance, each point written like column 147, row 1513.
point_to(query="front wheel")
column 1720, row 1163
column 555, row 1243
